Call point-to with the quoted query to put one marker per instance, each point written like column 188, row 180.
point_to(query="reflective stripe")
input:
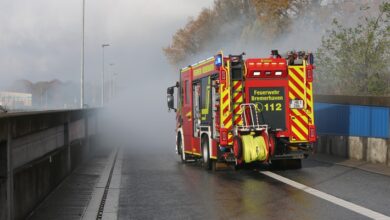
column 300, row 89
column 238, row 99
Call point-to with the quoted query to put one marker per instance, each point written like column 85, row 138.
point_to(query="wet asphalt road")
column 156, row 185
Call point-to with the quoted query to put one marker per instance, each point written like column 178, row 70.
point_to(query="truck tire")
column 207, row 163
column 180, row 149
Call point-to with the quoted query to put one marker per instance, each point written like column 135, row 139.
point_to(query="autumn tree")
column 250, row 20
column 194, row 36
column 355, row 60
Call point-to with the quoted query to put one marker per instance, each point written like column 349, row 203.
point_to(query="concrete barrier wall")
column 373, row 150
column 37, row 151
column 354, row 127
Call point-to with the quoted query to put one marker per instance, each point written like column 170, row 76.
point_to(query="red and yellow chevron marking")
column 299, row 128
column 300, row 89
column 237, row 101
column 226, row 113
column 310, row 101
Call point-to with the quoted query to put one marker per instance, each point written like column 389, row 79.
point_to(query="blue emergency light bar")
column 218, row 60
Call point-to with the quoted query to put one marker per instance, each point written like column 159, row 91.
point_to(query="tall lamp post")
column 82, row 58
column 110, row 93
column 114, row 84
column 103, row 46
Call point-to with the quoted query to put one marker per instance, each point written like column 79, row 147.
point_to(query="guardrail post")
column 10, row 173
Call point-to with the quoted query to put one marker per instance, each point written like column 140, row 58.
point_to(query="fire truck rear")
column 235, row 111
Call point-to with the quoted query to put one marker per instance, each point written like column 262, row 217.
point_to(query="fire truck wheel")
column 207, row 164
column 180, row 149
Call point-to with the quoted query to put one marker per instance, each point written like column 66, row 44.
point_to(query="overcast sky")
column 41, row 39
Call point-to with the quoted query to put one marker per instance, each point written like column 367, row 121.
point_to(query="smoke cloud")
column 258, row 26
column 41, row 41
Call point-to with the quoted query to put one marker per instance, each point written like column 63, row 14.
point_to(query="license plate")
column 296, row 103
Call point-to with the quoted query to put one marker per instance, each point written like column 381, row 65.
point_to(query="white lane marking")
column 343, row 203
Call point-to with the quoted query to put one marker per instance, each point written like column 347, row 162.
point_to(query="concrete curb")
column 357, row 164
column 368, row 149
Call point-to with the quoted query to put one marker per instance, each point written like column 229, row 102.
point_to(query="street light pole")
column 110, row 92
column 114, row 84
column 103, row 46
column 82, row 58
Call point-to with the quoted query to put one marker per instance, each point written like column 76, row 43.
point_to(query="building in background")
column 15, row 100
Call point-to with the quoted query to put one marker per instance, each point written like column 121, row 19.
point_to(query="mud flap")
column 254, row 148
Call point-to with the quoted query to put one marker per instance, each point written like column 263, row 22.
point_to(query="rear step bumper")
column 299, row 155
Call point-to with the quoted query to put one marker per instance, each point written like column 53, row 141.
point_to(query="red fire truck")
column 236, row 111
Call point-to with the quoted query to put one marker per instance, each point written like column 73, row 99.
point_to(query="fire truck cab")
column 236, row 111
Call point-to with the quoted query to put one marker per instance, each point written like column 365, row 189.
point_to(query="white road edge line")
column 335, row 200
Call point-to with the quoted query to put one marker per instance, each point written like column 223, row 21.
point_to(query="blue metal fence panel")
column 359, row 120
column 380, row 122
column 352, row 120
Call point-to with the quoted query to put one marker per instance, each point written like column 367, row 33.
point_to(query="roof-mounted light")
column 218, row 60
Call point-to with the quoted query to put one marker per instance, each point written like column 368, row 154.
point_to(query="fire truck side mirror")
column 170, row 90
column 171, row 102
column 170, row 98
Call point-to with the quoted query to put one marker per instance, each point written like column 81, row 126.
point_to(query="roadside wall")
column 354, row 127
column 37, row 151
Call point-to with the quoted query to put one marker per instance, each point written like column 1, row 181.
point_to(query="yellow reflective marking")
column 297, row 69
column 297, row 80
column 197, row 72
column 239, row 100
column 310, row 103
column 230, row 137
column 212, row 157
column 225, row 104
column 204, row 69
column 296, row 111
column 304, row 129
column 292, row 86
column 228, row 124
column 235, row 83
column 225, row 94
column 194, row 153
column 296, row 132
